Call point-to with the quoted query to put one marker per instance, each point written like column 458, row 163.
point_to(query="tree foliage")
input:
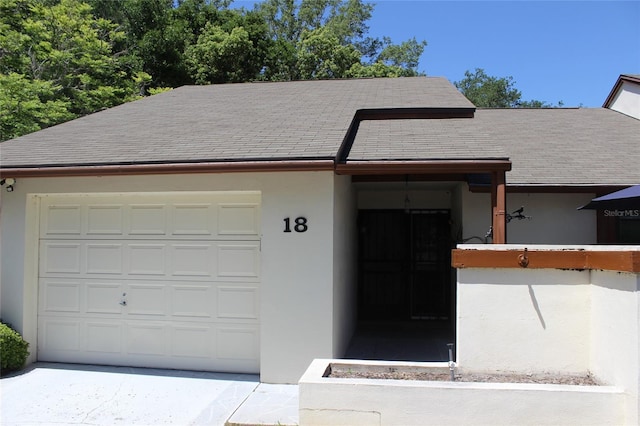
column 318, row 39
column 57, row 62
column 61, row 59
column 492, row 92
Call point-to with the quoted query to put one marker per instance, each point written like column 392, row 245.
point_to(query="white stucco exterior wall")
column 345, row 278
column 525, row 320
column 554, row 218
column 297, row 268
column 615, row 331
column 553, row 320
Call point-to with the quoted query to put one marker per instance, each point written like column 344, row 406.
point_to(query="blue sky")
column 570, row 51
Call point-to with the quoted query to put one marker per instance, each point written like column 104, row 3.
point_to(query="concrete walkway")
column 67, row 394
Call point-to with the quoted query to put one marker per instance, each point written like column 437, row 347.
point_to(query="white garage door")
column 155, row 280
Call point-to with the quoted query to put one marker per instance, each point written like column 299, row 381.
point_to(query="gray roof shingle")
column 309, row 120
column 251, row 121
column 594, row 146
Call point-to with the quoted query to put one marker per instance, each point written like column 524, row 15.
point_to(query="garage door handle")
column 123, row 303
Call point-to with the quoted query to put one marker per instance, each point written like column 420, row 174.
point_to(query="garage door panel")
column 146, row 299
column 199, row 261
column 192, row 219
column 238, row 302
column 61, row 220
column 103, row 258
column 144, row 338
column 221, row 347
column 105, row 219
column 193, row 341
column 238, row 260
column 154, row 280
column 147, row 220
column 104, row 337
column 60, row 258
column 192, row 260
column 59, row 335
column 149, row 216
column 146, row 259
column 60, row 296
column 104, row 298
column 192, row 301
column 238, row 219
column 237, row 343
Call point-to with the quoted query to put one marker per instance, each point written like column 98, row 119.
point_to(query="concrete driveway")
column 65, row 394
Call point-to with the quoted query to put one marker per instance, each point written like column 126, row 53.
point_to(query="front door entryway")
column 404, row 265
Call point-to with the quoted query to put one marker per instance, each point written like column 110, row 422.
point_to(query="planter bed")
column 393, row 400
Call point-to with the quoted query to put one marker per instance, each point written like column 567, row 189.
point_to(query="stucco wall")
column 523, row 320
column 345, row 285
column 297, row 271
column 615, row 331
column 553, row 320
column 554, row 218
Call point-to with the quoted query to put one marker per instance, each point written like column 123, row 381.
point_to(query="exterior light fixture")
column 10, row 182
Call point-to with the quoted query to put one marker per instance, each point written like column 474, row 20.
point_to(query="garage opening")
column 165, row 280
column 405, row 309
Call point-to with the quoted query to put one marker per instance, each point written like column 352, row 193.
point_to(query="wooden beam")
column 499, row 207
column 416, row 167
column 613, row 260
column 171, row 168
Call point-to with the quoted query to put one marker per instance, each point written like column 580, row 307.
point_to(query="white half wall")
column 571, row 321
column 615, row 331
column 525, row 320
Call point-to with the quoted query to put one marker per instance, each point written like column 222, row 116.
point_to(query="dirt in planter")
column 397, row 374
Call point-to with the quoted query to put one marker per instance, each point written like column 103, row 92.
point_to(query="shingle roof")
column 310, row 119
column 293, row 120
column 546, row 146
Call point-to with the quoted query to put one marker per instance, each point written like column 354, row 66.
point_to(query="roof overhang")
column 422, row 167
column 171, row 168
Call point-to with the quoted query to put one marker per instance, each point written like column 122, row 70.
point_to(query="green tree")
column 327, row 39
column 321, row 56
column 28, row 105
column 168, row 38
column 63, row 57
column 492, row 92
column 220, row 56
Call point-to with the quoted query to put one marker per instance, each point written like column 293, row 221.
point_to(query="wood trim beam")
column 177, row 168
column 622, row 261
column 383, row 167
column 499, row 207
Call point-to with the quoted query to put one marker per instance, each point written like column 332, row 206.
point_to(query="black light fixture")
column 10, row 182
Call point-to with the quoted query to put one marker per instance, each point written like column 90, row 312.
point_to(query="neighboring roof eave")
column 621, row 79
column 173, row 168
column 395, row 167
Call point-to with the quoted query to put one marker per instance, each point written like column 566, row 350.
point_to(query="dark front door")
column 404, row 264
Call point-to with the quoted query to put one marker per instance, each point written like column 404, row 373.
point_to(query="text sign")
column 622, row 213
column 299, row 224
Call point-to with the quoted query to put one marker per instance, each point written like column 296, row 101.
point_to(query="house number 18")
column 300, row 224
